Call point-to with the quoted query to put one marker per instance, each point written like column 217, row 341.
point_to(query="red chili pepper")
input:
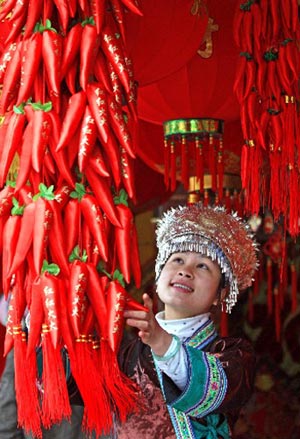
column 85, row 7
column 11, row 80
column 89, row 48
column 35, row 8
column 30, row 62
column 94, row 219
column 132, row 6
column 49, row 287
column 72, row 4
column 116, row 303
column 262, row 128
column 63, row 13
column 86, row 240
column 7, row 8
column 62, row 195
column 97, row 98
column 97, row 162
column 41, row 132
column 112, row 49
column 74, row 113
column 59, row 156
column 52, row 57
column 13, row 139
column 116, row 85
column 127, row 173
column 36, row 316
column 117, row 10
column 71, row 77
column 119, row 125
column 103, row 195
column 97, row 298
column 98, row 9
column 292, row 58
column 275, row 19
column 6, row 196
column 56, row 239
column 87, row 138
column 18, row 18
column 42, row 224
column 6, row 58
column 71, row 47
column 24, row 238
column 25, row 157
column 11, row 232
column 123, row 235
column 101, row 72
column 77, row 295
column 273, row 88
column 71, row 224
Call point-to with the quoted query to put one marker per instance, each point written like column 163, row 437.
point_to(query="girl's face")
column 188, row 285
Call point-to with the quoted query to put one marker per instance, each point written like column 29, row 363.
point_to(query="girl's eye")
column 203, row 266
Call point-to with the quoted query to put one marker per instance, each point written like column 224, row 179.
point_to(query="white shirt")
column 177, row 367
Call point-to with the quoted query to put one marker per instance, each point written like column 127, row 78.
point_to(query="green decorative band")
column 201, row 126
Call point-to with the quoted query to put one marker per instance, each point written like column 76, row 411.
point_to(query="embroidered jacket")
column 220, row 381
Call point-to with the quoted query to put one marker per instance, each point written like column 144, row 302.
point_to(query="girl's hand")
column 149, row 330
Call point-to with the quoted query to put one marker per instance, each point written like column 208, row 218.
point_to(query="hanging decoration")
column 266, row 85
column 187, row 142
column 68, row 238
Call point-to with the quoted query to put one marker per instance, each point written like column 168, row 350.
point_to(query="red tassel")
column 212, row 164
column 25, row 385
column 224, row 324
column 220, row 169
column 270, row 286
column 184, row 163
column 294, row 288
column 173, row 166
column 55, row 402
column 167, row 163
column 199, row 164
column 220, row 175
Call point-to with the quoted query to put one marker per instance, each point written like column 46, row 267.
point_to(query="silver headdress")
column 211, row 231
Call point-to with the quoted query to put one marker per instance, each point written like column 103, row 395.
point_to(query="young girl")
column 193, row 382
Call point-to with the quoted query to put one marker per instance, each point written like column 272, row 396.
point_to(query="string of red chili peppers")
column 266, row 85
column 66, row 146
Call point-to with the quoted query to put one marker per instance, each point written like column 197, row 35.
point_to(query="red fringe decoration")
column 55, row 401
column 167, row 163
column 212, row 163
column 184, row 163
column 199, row 164
column 224, row 324
column 25, row 385
column 173, row 166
